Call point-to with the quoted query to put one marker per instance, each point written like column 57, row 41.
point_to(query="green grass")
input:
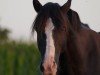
column 19, row 59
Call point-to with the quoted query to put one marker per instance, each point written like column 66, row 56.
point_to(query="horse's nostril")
column 41, row 67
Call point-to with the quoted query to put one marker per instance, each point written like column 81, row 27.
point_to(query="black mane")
column 74, row 19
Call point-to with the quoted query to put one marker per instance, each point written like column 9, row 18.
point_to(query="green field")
column 19, row 59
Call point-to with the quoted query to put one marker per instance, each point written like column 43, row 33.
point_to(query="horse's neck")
column 71, row 58
column 77, row 58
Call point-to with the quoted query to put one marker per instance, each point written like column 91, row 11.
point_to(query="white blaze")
column 50, row 49
column 50, row 67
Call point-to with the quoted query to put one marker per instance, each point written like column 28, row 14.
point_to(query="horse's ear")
column 66, row 6
column 37, row 5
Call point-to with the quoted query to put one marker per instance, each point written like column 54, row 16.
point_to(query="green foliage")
column 19, row 59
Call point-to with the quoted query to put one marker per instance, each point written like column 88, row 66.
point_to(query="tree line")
column 4, row 34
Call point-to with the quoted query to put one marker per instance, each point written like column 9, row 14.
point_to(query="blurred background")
column 18, row 50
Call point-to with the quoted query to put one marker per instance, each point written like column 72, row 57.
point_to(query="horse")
column 66, row 46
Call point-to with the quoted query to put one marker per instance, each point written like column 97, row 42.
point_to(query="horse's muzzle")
column 49, row 67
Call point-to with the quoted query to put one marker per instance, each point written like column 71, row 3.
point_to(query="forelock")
column 49, row 10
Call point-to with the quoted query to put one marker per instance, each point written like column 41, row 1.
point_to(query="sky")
column 18, row 15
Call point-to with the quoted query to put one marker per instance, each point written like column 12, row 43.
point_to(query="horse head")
column 51, row 25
